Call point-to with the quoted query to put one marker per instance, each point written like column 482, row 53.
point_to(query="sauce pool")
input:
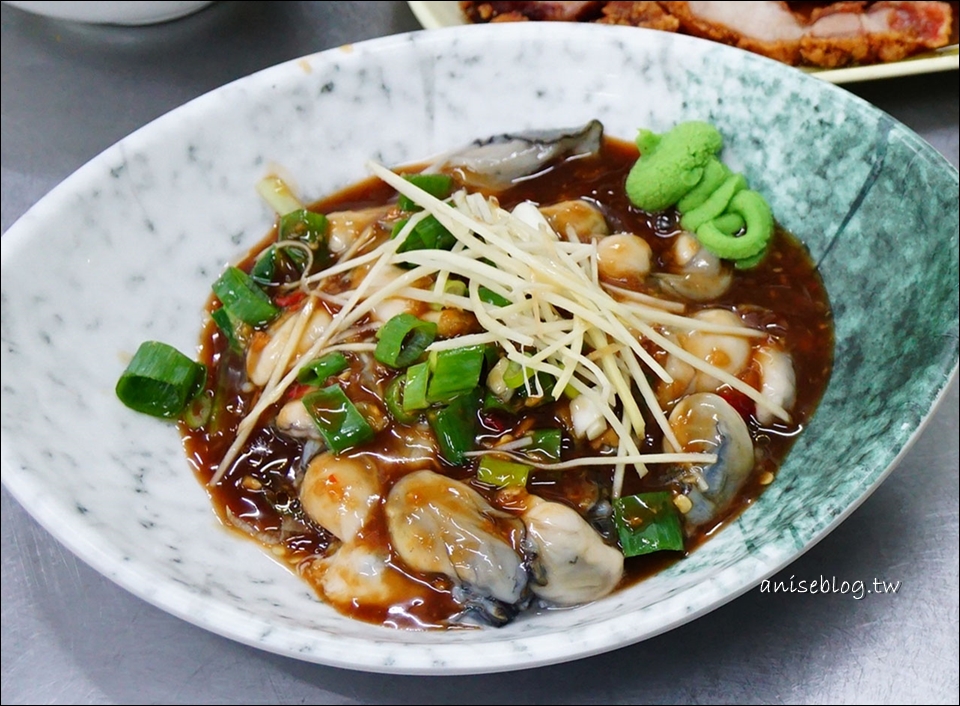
column 783, row 296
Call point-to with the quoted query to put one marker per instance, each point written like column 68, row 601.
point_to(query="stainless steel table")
column 71, row 636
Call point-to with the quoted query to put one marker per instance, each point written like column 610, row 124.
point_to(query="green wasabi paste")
column 680, row 168
column 671, row 164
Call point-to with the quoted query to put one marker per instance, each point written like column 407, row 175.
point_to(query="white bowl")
column 119, row 13
column 126, row 250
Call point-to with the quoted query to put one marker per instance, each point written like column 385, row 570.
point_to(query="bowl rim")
column 178, row 601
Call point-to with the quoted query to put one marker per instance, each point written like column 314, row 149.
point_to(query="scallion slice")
column 198, row 411
column 415, row 387
column 647, row 522
column 340, row 422
column 278, row 265
column 278, row 194
column 428, row 234
column 303, row 225
column 548, row 442
column 397, row 227
column 456, row 287
column 434, row 234
column 455, row 427
column 403, row 339
column 454, row 372
column 265, row 268
column 160, row 380
column 493, row 403
column 393, row 399
column 309, row 228
column 516, row 375
column 230, row 327
column 488, row 296
column 502, row 474
column 318, row 371
column 438, row 185
column 243, row 299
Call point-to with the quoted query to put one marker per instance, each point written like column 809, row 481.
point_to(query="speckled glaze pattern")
column 126, row 250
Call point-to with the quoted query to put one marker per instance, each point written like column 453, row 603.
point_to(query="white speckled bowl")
column 126, row 250
column 119, row 13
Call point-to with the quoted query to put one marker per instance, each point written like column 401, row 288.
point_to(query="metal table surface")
column 71, row 636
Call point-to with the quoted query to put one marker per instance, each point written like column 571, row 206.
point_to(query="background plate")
column 444, row 13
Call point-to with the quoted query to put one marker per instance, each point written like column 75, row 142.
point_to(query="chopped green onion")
column 277, row 265
column 397, row 227
column 490, row 297
column 647, row 522
column 491, row 402
column 309, row 228
column 434, row 234
column 455, row 427
column 540, row 388
column 340, row 423
column 221, row 418
column 393, row 398
column 265, row 268
column 438, row 185
column 275, row 192
column 160, row 380
column 303, row 225
column 501, row 474
column 403, row 339
column 454, row 372
column 198, row 411
column 431, row 234
column 491, row 353
column 456, row 287
column 508, row 378
column 230, row 326
column 415, row 387
column 428, row 234
column 319, row 370
column 547, row 441
column 243, row 299
column 516, row 375
column 495, row 382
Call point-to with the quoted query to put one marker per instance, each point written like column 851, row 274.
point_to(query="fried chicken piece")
column 510, row 17
column 639, row 14
column 544, row 11
column 886, row 31
column 767, row 28
column 839, row 34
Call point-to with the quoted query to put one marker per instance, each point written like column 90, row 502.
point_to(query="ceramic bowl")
column 126, row 249
column 118, row 13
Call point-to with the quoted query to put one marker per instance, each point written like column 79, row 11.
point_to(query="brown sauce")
column 783, row 296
